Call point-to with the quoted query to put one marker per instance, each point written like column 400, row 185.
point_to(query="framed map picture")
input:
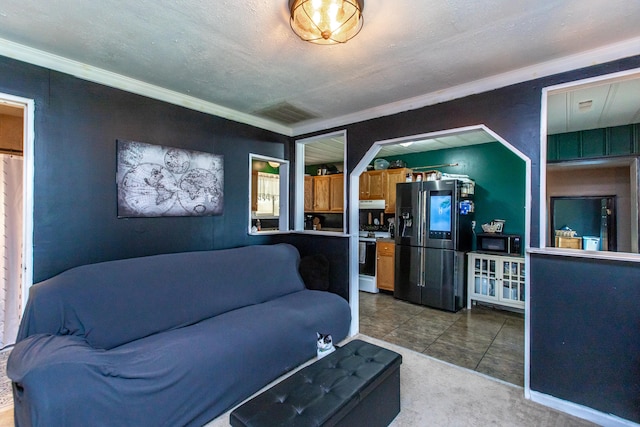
column 155, row 181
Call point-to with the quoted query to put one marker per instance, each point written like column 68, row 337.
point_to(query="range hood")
column 372, row 204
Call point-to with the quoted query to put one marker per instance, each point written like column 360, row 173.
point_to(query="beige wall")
column 612, row 181
column 10, row 132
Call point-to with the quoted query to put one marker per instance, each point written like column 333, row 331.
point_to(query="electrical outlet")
column 473, row 225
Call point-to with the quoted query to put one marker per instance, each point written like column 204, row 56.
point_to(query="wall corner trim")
column 580, row 411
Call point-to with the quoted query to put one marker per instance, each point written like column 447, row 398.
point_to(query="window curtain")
column 268, row 194
column 11, row 259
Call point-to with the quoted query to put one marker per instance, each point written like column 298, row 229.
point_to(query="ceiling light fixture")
column 326, row 21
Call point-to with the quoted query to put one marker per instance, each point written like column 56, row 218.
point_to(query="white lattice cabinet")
column 496, row 279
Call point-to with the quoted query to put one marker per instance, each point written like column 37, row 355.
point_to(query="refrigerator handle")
column 423, row 217
column 421, row 281
column 419, row 215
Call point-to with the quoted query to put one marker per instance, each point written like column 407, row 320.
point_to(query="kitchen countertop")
column 385, row 240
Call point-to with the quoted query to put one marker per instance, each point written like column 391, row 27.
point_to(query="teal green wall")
column 499, row 175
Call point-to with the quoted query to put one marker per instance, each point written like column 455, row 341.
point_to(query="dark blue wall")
column 77, row 124
column 585, row 329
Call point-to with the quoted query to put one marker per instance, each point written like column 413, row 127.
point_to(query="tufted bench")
column 356, row 385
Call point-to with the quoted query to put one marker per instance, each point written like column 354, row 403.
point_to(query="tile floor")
column 484, row 339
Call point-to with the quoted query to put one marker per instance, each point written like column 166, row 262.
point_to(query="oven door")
column 367, row 257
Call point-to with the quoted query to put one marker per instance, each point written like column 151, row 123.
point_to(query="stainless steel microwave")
column 507, row 244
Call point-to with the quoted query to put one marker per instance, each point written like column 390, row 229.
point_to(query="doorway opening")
column 595, row 216
column 455, row 337
column 16, row 212
column 590, row 147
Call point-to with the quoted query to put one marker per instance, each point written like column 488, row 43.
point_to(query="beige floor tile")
column 454, row 354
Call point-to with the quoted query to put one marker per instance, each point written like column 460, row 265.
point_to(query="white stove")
column 367, row 258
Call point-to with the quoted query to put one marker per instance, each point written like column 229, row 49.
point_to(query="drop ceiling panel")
column 613, row 103
column 321, row 151
column 440, row 143
column 623, row 106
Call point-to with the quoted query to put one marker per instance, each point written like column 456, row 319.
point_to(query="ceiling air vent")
column 585, row 105
column 285, row 113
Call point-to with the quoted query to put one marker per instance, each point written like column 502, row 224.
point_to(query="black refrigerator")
column 433, row 233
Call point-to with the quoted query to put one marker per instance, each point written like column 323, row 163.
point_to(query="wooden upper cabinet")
column 326, row 194
column 381, row 185
column 308, row 194
column 394, row 176
column 377, row 180
column 336, row 198
column 364, row 186
column 322, row 193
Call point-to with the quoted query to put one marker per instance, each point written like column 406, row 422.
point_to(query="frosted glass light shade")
column 326, row 21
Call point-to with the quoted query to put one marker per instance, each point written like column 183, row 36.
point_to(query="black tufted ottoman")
column 356, row 385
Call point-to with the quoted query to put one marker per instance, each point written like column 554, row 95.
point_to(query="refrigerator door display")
column 440, row 221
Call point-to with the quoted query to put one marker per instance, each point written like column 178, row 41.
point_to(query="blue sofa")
column 165, row 340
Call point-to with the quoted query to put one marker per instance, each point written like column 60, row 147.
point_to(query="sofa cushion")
column 115, row 302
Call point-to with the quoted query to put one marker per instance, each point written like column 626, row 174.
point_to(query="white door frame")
column 28, row 107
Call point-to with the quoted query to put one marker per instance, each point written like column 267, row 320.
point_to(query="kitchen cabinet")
column 372, row 185
column 385, row 265
column 364, row 186
column 394, row 176
column 321, row 193
column 308, row 194
column 602, row 142
column 327, row 193
column 381, row 185
column 496, row 279
column 336, row 188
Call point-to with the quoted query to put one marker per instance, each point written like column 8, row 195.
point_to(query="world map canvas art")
column 155, row 181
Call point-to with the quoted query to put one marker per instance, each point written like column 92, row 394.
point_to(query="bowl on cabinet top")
column 380, row 164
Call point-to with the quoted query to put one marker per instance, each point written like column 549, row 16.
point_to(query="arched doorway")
column 474, row 150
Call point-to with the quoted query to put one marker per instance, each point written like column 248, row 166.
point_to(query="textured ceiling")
column 242, row 55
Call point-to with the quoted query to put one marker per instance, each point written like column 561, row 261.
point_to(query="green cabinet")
column 593, row 143
column 603, row 142
column 623, row 140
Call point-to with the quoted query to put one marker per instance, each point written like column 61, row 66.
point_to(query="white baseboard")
column 580, row 411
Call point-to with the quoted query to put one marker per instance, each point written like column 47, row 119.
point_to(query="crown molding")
column 596, row 56
column 118, row 81
column 587, row 58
